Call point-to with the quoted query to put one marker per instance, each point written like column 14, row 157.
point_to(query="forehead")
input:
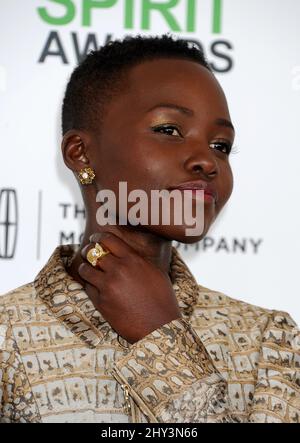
column 178, row 81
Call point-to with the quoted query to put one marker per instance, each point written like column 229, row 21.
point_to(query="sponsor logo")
column 135, row 17
column 8, row 222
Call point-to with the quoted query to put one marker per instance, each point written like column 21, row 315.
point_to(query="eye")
column 222, row 146
column 166, row 129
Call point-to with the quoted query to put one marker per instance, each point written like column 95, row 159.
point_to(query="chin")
column 179, row 233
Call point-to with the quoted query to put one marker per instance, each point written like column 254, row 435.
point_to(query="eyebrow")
column 190, row 113
column 224, row 122
column 182, row 109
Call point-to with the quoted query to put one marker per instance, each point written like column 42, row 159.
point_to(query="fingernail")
column 93, row 235
column 100, row 234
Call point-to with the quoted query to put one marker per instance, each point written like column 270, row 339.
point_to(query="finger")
column 91, row 275
column 105, row 263
column 93, row 293
column 113, row 243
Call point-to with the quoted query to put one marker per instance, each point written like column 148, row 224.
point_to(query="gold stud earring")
column 86, row 176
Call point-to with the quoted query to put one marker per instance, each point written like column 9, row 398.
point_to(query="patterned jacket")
column 223, row 361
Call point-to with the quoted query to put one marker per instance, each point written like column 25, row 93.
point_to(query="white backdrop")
column 252, row 251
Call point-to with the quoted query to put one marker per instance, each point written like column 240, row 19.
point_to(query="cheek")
column 140, row 164
column 225, row 184
column 121, row 162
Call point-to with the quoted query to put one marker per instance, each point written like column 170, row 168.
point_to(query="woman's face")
column 154, row 147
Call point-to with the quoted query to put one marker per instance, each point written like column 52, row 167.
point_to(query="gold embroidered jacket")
column 224, row 361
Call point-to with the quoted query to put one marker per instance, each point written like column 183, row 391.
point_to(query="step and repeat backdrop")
column 253, row 250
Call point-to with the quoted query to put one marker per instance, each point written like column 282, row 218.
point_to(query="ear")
column 74, row 150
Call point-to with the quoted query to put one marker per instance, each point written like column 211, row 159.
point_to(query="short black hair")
column 101, row 74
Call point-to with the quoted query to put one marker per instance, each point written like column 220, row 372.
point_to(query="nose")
column 203, row 163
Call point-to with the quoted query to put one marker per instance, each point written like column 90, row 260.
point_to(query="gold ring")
column 95, row 254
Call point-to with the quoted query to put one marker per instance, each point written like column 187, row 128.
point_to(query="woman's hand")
column 131, row 293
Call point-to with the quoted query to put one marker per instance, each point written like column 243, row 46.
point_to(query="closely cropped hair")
column 101, row 75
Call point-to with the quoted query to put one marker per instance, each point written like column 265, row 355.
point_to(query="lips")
column 209, row 190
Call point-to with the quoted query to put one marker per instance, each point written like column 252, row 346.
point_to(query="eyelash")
column 228, row 146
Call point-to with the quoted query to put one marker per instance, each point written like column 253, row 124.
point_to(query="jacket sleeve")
column 16, row 399
column 277, row 391
column 171, row 377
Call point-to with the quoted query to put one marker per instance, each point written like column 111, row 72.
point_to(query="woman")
column 117, row 329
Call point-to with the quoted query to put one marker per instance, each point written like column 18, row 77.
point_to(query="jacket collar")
column 69, row 302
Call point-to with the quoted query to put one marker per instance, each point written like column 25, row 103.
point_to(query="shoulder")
column 23, row 294
column 239, row 313
column 9, row 304
column 18, row 305
column 211, row 299
column 17, row 403
column 259, row 344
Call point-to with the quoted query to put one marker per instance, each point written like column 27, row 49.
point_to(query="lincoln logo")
column 8, row 222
